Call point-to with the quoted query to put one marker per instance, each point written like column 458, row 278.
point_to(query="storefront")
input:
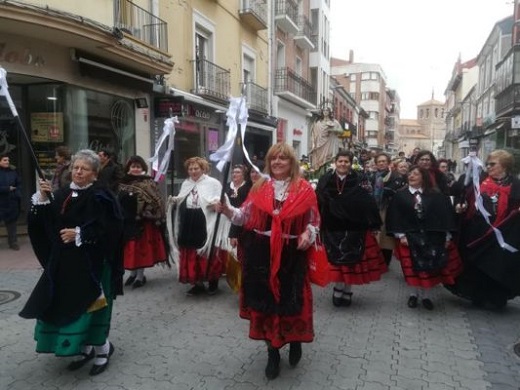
column 64, row 101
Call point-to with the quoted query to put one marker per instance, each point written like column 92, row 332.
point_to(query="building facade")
column 81, row 75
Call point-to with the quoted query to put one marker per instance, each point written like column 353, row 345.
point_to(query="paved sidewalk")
column 165, row 340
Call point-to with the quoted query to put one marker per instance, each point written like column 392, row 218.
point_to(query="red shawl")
column 298, row 210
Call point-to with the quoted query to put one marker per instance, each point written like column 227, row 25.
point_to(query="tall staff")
column 4, row 91
column 237, row 115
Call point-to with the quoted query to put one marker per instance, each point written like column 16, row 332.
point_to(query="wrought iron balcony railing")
column 254, row 13
column 286, row 15
column 211, row 80
column 288, row 81
column 256, row 97
column 303, row 37
column 141, row 24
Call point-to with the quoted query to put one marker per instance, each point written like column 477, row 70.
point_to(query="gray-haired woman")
column 75, row 235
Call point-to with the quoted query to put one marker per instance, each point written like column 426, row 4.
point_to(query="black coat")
column 353, row 209
column 71, row 280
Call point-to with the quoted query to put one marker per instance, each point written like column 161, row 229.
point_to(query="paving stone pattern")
column 166, row 340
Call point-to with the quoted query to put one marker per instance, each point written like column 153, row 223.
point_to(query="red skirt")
column 369, row 269
column 147, row 250
column 193, row 268
column 423, row 279
column 279, row 330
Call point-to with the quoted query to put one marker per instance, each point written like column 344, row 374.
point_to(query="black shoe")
column 130, row 280
column 139, row 283
column 212, row 287
column 99, row 368
column 196, row 290
column 77, row 364
column 295, row 353
column 427, row 303
column 412, row 302
column 14, row 247
column 337, row 301
column 346, row 299
column 273, row 363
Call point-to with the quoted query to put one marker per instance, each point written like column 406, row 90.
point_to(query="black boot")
column 295, row 353
column 273, row 363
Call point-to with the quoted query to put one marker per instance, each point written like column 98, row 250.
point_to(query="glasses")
column 82, row 169
column 425, row 159
column 491, row 164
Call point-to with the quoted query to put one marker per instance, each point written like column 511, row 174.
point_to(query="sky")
column 416, row 42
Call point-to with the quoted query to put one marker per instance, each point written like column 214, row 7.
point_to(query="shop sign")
column 25, row 56
column 47, row 127
column 199, row 113
column 168, row 106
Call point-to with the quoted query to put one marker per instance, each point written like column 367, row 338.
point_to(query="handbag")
column 318, row 264
column 233, row 272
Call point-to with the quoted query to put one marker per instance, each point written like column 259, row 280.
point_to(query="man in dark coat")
column 10, row 194
column 111, row 172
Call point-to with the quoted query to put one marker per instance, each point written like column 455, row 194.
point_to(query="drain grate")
column 8, row 296
column 516, row 348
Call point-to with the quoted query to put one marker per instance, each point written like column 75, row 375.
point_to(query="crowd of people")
column 365, row 209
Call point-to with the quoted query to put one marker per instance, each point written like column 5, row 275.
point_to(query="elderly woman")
column 280, row 219
column 350, row 217
column 75, row 234
column 491, row 272
column 422, row 219
column 145, row 221
column 195, row 222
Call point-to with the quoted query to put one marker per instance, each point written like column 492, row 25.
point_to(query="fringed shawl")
column 299, row 209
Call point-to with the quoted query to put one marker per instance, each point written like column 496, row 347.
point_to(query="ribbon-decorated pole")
column 236, row 115
column 4, row 91
column 160, row 164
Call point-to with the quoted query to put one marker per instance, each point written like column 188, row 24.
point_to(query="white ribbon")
column 168, row 131
column 4, row 91
column 473, row 168
column 237, row 112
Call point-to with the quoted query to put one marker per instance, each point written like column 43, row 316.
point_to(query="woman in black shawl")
column 350, row 216
column 77, row 239
column 422, row 219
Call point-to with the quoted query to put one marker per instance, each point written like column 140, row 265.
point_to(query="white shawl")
column 209, row 191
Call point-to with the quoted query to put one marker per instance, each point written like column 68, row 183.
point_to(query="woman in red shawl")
column 280, row 219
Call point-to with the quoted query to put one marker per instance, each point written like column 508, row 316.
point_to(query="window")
column 248, row 64
column 203, row 48
column 298, row 66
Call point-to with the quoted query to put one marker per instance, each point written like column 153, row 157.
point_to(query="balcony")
column 254, row 14
column 141, row 24
column 286, row 16
column 294, row 88
column 256, row 97
column 211, row 80
column 303, row 36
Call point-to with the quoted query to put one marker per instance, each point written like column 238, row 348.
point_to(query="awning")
column 493, row 128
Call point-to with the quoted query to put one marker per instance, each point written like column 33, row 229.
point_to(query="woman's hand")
column 45, row 189
column 461, row 208
column 68, row 235
column 304, row 241
column 233, row 242
column 403, row 240
column 224, row 209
